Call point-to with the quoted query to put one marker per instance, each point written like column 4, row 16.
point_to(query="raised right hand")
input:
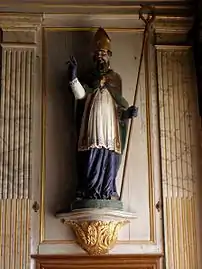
column 72, row 68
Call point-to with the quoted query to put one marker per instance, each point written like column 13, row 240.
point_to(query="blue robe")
column 97, row 167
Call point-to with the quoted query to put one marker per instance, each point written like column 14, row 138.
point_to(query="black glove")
column 72, row 68
column 130, row 113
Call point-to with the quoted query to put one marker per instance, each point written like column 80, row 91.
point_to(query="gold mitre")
column 102, row 40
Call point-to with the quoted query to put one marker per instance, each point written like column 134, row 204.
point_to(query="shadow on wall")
column 78, row 44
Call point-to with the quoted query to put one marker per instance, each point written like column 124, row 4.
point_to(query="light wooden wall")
column 179, row 152
column 18, row 70
column 37, row 128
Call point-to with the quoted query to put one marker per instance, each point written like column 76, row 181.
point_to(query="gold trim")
column 43, row 173
column 21, row 233
column 119, row 242
column 16, row 229
column 172, row 47
column 27, row 249
column 171, row 17
column 19, row 45
column 18, row 29
column 5, row 236
column 43, row 134
column 158, row 17
column 10, row 232
column 93, row 29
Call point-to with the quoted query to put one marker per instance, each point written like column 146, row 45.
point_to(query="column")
column 179, row 141
column 18, row 60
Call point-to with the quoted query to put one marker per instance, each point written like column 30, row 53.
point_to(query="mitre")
column 102, row 40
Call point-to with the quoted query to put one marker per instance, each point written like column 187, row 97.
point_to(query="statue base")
column 96, row 229
column 97, row 203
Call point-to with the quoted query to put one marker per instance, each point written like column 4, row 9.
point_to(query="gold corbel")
column 96, row 237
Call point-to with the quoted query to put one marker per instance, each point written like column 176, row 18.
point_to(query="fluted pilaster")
column 15, row 233
column 16, row 119
column 178, row 118
column 18, row 64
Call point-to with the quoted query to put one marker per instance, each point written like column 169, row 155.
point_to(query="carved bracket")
column 96, row 237
column 96, row 230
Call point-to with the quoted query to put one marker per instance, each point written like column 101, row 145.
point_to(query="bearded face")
column 101, row 60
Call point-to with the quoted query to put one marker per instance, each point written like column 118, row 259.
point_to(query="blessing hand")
column 72, row 68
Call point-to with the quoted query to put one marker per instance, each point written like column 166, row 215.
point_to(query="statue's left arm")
column 125, row 111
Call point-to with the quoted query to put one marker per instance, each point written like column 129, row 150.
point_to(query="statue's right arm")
column 77, row 89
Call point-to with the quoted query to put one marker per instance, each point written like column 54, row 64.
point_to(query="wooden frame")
column 108, row 261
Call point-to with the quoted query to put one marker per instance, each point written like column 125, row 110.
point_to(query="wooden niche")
column 91, row 262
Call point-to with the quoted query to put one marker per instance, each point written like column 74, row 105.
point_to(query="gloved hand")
column 130, row 112
column 72, row 68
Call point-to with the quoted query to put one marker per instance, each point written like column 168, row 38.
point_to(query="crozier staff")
column 102, row 116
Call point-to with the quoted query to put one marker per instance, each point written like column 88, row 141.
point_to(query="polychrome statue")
column 102, row 117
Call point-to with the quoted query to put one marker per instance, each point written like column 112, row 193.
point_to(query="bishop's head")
column 102, row 50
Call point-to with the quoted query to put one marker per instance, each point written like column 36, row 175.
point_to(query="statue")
column 102, row 117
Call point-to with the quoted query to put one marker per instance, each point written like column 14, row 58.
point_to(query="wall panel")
column 59, row 179
column 179, row 142
column 18, row 59
column 16, row 120
column 15, row 233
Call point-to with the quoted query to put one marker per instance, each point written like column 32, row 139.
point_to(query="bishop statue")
column 102, row 117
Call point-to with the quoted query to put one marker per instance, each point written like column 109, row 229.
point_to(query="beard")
column 102, row 66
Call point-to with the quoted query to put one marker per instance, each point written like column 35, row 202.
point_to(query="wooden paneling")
column 179, row 140
column 59, row 139
column 18, row 172
column 15, row 233
column 83, row 6
column 108, row 261
column 16, row 120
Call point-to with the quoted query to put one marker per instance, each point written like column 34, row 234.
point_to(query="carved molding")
column 18, row 62
column 171, row 24
column 16, row 20
column 84, row 6
column 118, row 22
column 169, row 18
column 16, row 121
column 96, row 237
column 107, row 261
column 20, row 28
